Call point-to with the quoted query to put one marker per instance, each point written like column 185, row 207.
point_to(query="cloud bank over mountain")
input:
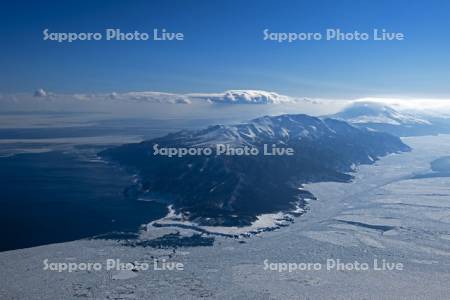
column 233, row 104
column 227, row 97
column 244, row 97
column 245, row 103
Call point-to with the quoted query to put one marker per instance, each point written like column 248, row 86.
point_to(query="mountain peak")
column 217, row 189
column 377, row 113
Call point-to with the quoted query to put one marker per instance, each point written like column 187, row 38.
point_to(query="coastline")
column 379, row 195
column 264, row 222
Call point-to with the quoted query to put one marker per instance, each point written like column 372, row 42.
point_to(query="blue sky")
column 224, row 48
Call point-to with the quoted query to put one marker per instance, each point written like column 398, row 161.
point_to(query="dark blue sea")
column 56, row 197
column 64, row 193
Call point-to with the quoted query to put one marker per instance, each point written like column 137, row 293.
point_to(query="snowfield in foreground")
column 383, row 215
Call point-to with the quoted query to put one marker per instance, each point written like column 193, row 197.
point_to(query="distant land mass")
column 381, row 117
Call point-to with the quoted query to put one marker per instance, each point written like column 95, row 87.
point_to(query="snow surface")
column 360, row 112
column 174, row 223
column 384, row 213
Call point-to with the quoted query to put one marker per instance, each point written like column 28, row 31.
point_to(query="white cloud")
column 227, row 97
column 417, row 105
column 145, row 97
column 204, row 104
column 243, row 97
column 40, row 93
